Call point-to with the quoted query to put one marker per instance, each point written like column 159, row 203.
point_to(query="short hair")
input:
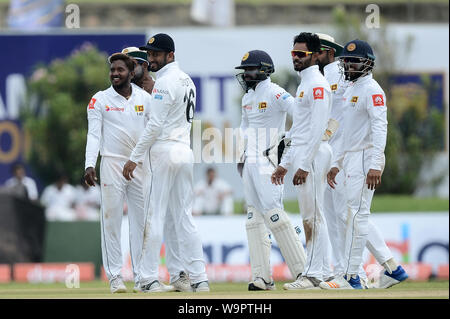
column 129, row 62
column 311, row 39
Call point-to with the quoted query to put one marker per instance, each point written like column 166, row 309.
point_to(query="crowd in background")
column 65, row 202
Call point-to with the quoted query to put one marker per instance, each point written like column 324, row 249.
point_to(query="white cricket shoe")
column 261, row 284
column 183, row 283
column 156, row 286
column 302, row 283
column 202, row 286
column 388, row 280
column 116, row 285
column 341, row 283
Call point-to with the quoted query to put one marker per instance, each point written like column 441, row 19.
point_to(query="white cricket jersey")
column 365, row 122
column 264, row 116
column 310, row 117
column 173, row 105
column 338, row 85
column 115, row 123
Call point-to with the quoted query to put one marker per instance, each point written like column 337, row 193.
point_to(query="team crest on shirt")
column 139, row 109
column 334, row 87
column 262, row 106
column 354, row 100
column 378, row 100
column 318, row 93
column 91, row 104
column 301, row 94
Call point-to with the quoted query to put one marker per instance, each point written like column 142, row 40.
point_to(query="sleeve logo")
column 91, row 104
column 378, row 100
column 318, row 93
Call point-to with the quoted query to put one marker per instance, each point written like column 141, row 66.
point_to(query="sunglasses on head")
column 300, row 53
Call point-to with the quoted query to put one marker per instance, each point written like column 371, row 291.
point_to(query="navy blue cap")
column 159, row 42
column 358, row 48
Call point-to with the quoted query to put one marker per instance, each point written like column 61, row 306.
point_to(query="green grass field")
column 383, row 203
column 100, row 289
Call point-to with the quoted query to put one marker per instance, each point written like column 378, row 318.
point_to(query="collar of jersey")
column 114, row 92
column 330, row 67
column 164, row 69
column 309, row 71
column 260, row 85
column 363, row 79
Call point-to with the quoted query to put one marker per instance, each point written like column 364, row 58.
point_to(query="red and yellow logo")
column 91, row 104
column 139, row 108
column 334, row 87
column 354, row 99
column 301, row 94
column 262, row 105
column 318, row 93
column 378, row 100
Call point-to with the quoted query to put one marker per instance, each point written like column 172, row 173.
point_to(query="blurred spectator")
column 59, row 200
column 21, row 185
column 213, row 196
column 87, row 203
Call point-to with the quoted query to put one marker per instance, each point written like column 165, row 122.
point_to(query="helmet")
column 254, row 59
column 359, row 53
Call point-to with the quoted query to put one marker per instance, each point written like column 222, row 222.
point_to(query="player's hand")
column 128, row 170
column 278, row 176
column 240, row 168
column 331, row 177
column 300, row 177
column 373, row 179
column 90, row 177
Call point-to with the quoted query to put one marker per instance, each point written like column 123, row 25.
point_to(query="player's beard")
column 158, row 66
column 305, row 63
column 125, row 83
column 138, row 73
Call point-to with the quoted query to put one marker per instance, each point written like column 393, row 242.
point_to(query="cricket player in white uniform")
column 167, row 135
column 179, row 278
column 360, row 153
column 334, row 199
column 116, row 119
column 264, row 109
column 310, row 157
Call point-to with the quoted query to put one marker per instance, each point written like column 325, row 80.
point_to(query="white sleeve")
column 319, row 119
column 338, row 150
column 161, row 103
column 32, row 189
column 242, row 143
column 283, row 100
column 377, row 109
column 95, row 121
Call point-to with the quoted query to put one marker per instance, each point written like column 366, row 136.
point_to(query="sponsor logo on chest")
column 114, row 108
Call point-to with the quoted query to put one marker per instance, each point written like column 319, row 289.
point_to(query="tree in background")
column 55, row 115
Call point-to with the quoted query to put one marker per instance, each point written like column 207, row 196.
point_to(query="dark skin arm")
column 300, row 177
column 373, row 179
column 331, row 177
column 128, row 170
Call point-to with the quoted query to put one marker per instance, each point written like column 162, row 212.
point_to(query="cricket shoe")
column 388, row 280
column 117, row 286
column 182, row 283
column 364, row 283
column 261, row 284
column 342, row 283
column 303, row 282
column 156, row 286
column 202, row 286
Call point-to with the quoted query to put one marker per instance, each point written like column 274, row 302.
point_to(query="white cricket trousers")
column 259, row 191
column 114, row 189
column 170, row 212
column 359, row 200
column 335, row 207
column 310, row 201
